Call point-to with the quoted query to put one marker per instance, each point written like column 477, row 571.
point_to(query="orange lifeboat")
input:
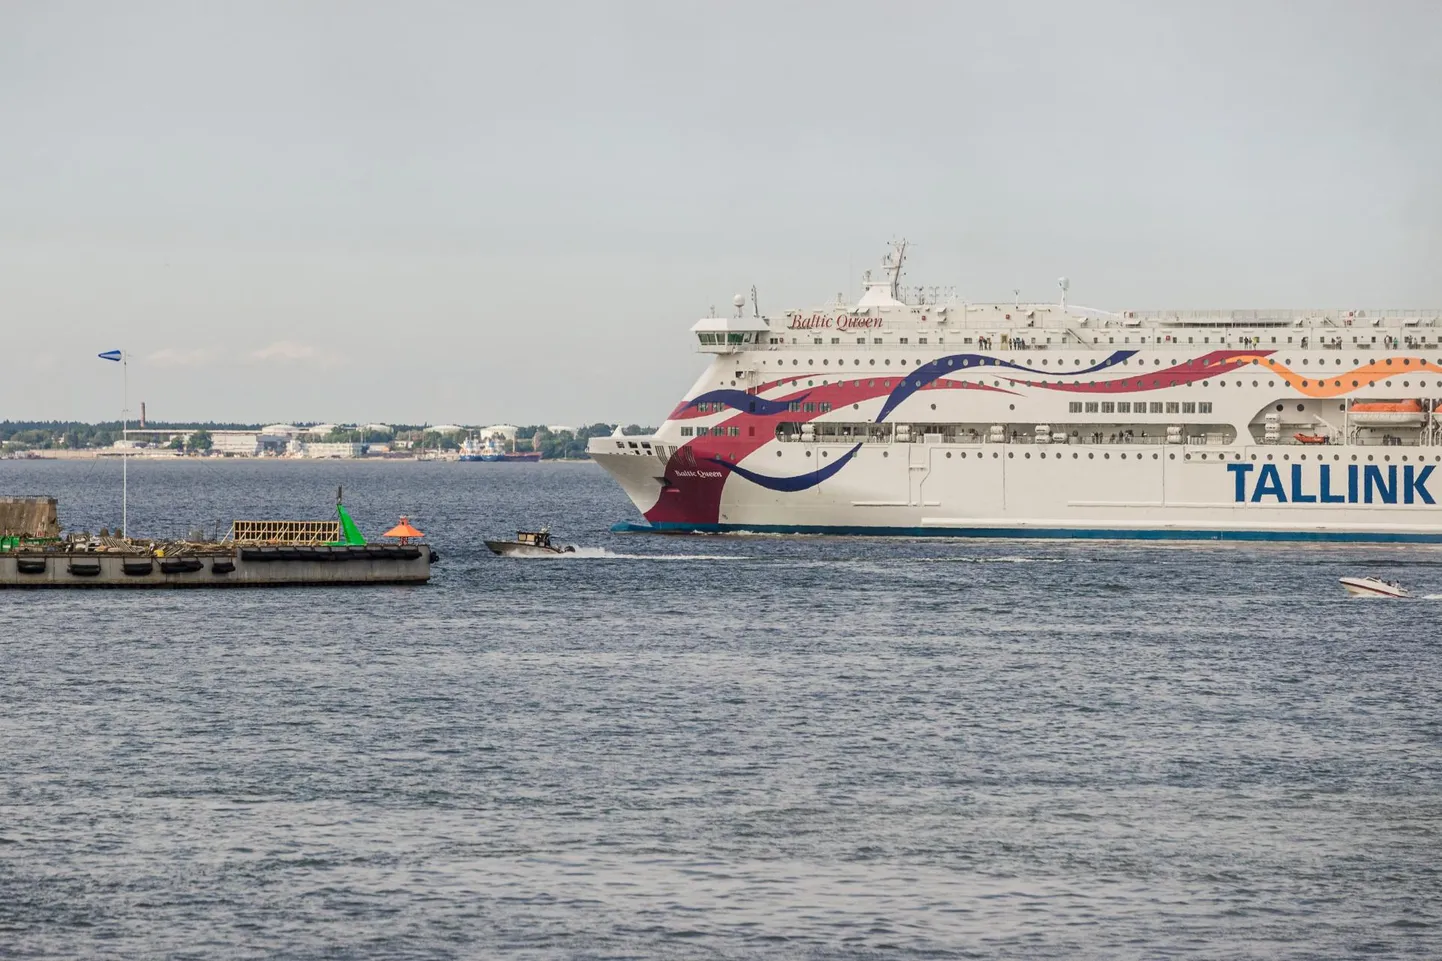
column 1310, row 438
column 1390, row 413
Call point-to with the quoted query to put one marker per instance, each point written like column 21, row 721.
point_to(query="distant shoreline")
column 68, row 455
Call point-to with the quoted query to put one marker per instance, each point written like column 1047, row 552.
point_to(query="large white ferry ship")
column 913, row 413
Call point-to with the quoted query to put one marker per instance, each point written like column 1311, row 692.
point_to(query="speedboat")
column 530, row 544
column 1373, row 587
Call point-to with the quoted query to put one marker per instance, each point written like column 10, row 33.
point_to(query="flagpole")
column 125, row 444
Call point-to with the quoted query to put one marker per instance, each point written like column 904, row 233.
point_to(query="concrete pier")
column 241, row 566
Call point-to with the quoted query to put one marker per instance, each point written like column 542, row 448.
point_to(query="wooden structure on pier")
column 296, row 533
column 29, row 517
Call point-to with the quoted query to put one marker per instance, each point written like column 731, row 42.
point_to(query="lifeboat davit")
column 1396, row 413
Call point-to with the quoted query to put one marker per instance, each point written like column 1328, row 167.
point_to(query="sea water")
column 711, row 747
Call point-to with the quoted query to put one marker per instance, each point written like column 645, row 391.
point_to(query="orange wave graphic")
column 1337, row 384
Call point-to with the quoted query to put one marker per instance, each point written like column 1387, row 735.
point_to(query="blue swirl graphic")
column 744, row 402
column 928, row 373
column 789, row 485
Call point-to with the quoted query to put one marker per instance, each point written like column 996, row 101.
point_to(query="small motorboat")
column 530, row 544
column 1373, row 587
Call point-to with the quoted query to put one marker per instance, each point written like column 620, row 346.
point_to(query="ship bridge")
column 725, row 335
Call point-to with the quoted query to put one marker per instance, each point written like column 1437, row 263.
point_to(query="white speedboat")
column 1373, row 587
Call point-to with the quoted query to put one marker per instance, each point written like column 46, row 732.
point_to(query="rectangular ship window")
column 861, row 340
column 1156, row 407
column 1092, row 407
column 921, row 340
column 1205, row 407
column 810, row 408
column 825, row 407
column 794, row 407
column 1189, row 407
column 816, row 340
column 686, row 432
column 734, row 431
column 902, row 340
column 1124, row 407
column 1108, row 407
column 836, row 340
column 1074, row 407
column 1173, row 407
column 876, row 340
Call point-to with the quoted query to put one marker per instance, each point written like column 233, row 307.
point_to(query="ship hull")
column 1044, row 491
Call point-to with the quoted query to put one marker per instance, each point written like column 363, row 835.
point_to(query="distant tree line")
column 18, row 435
column 74, row 435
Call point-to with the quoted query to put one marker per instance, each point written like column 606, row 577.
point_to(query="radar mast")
column 892, row 264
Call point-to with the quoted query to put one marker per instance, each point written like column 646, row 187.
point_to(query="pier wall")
column 35, row 569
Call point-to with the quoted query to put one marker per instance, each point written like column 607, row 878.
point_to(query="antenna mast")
column 893, row 265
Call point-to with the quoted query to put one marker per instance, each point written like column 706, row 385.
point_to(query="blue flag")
column 114, row 355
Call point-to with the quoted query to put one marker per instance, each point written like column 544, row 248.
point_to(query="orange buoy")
column 404, row 530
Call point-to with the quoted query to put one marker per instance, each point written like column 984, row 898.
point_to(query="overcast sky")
column 478, row 212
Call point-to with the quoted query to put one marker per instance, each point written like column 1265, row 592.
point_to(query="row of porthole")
column 1271, row 362
column 826, row 362
column 1107, row 456
column 1155, row 383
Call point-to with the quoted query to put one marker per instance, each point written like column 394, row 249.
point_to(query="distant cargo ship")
column 488, row 451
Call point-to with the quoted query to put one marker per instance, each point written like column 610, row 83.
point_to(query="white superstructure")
column 911, row 412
